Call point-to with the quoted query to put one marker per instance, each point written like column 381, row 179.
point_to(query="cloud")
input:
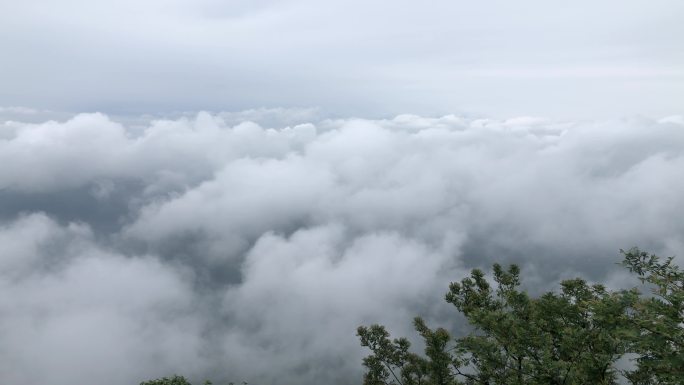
column 235, row 250
column 73, row 311
column 322, row 279
column 18, row 110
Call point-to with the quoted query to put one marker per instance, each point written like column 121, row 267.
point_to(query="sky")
column 228, row 189
column 495, row 58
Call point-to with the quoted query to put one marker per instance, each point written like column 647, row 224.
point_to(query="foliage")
column 175, row 380
column 178, row 380
column 658, row 321
column 571, row 337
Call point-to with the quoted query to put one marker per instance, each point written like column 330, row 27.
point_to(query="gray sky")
column 578, row 59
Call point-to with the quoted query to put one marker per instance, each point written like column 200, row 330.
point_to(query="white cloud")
column 211, row 247
column 74, row 312
column 18, row 110
column 675, row 119
column 318, row 279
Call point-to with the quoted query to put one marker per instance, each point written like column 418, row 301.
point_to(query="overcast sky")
column 227, row 189
column 570, row 59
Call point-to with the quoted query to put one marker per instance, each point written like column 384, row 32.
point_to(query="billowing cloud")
column 235, row 250
column 73, row 311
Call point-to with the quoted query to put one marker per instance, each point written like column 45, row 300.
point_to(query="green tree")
column 657, row 321
column 174, row 380
column 571, row 337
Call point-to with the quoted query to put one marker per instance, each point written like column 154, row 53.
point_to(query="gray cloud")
column 224, row 248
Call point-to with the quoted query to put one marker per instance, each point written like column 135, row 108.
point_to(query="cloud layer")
column 244, row 251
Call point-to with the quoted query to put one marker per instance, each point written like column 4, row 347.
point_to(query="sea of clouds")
column 249, row 247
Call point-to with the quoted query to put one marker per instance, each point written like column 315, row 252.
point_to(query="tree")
column 657, row 332
column 175, row 380
column 571, row 337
